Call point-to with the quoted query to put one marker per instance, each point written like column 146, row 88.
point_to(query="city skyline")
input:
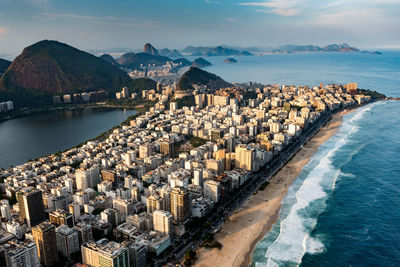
column 199, row 133
column 176, row 24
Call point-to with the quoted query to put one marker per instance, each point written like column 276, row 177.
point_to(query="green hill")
column 109, row 59
column 50, row 67
column 201, row 63
column 197, row 76
column 137, row 85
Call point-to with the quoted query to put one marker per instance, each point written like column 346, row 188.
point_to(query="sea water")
column 344, row 208
column 377, row 72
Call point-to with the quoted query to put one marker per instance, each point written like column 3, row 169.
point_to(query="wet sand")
column 255, row 218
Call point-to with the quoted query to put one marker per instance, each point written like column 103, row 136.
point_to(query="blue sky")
column 101, row 24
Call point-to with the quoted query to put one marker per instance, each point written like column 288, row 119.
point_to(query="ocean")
column 344, row 208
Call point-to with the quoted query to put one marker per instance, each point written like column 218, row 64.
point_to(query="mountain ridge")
column 214, row 51
column 49, row 68
column 170, row 53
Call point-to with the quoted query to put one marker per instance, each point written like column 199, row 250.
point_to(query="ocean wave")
column 308, row 201
column 347, row 175
column 294, row 240
column 361, row 111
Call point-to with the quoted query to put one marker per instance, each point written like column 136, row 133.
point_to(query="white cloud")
column 212, row 2
column 357, row 14
column 311, row 8
column 23, row 2
column 281, row 7
column 108, row 20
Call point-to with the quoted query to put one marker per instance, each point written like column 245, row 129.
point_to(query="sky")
column 104, row 24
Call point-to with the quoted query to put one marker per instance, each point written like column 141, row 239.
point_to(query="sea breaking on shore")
column 255, row 218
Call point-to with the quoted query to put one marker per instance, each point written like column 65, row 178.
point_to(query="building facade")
column 162, row 221
column 180, row 204
column 67, row 240
column 44, row 235
column 31, row 206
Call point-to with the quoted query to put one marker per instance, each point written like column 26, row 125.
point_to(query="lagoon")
column 44, row 133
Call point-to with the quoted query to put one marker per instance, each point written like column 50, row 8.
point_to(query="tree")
column 190, row 255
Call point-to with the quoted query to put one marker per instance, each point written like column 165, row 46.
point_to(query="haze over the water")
column 102, row 24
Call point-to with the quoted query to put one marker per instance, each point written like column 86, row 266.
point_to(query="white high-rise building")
column 69, row 184
column 21, row 255
column 127, row 159
column 244, row 157
column 75, row 209
column 212, row 190
column 87, row 178
column 125, row 92
column 198, row 177
column 128, row 182
column 82, row 179
column 145, row 151
column 16, row 229
column 5, row 209
column 173, row 106
column 105, row 253
column 162, row 221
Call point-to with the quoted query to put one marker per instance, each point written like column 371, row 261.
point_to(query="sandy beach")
column 256, row 217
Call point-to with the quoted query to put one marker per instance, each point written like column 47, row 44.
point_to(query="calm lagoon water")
column 41, row 134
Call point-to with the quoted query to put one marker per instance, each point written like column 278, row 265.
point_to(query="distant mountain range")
column 151, row 56
column 314, row 48
column 236, row 51
column 52, row 68
column 225, row 50
column 170, row 53
column 214, row 51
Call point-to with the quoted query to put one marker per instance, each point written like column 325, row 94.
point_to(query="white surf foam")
column 294, row 238
column 347, row 175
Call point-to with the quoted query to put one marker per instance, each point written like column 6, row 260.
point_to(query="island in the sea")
column 230, row 60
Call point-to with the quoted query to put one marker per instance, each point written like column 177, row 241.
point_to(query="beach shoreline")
column 255, row 218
